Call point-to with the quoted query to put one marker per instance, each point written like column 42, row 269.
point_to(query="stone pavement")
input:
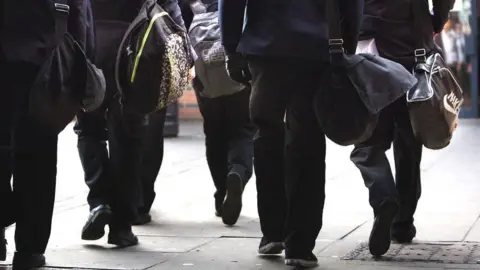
column 185, row 233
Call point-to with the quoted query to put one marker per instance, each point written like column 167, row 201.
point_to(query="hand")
column 191, row 74
column 237, row 68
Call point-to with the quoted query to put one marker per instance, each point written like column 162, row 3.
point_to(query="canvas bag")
column 435, row 102
column 355, row 88
column 210, row 65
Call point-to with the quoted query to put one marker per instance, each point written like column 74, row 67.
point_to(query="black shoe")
column 142, row 219
column 379, row 241
column 99, row 217
column 122, row 237
column 23, row 261
column 3, row 245
column 270, row 248
column 305, row 261
column 402, row 235
column 219, row 206
column 232, row 206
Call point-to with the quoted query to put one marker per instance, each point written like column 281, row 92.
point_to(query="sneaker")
column 270, row 248
column 94, row 228
column 306, row 261
column 232, row 206
column 380, row 237
column 3, row 245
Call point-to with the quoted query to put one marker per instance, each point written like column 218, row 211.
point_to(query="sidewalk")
column 186, row 234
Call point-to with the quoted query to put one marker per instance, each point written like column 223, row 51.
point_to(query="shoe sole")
column 232, row 206
column 123, row 243
column 272, row 249
column 301, row 263
column 380, row 237
column 95, row 229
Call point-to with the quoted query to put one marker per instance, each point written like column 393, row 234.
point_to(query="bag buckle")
column 62, row 8
column 420, row 55
column 336, row 45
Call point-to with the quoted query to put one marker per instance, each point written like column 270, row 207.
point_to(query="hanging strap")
column 61, row 12
column 419, row 10
column 335, row 39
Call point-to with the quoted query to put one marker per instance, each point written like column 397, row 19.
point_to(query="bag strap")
column 61, row 13
column 335, row 39
column 419, row 9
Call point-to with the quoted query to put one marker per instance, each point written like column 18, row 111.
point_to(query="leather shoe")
column 3, row 245
column 25, row 261
column 94, row 228
column 122, row 237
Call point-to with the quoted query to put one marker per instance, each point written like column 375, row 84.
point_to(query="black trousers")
column 113, row 174
column 290, row 169
column 393, row 126
column 151, row 159
column 28, row 152
column 228, row 137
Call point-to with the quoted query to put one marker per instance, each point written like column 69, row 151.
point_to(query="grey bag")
column 210, row 66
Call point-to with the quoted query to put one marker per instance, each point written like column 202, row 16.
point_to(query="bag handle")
column 419, row 9
column 335, row 39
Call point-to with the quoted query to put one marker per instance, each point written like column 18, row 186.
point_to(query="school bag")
column 210, row 68
column 153, row 61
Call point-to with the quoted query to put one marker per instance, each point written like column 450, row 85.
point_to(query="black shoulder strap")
column 62, row 11
column 419, row 10
column 335, row 39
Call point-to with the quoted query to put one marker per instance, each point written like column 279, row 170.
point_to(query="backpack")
column 210, row 65
column 153, row 61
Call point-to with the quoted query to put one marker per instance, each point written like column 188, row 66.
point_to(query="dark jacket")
column 293, row 28
column 127, row 10
column 27, row 28
column 392, row 25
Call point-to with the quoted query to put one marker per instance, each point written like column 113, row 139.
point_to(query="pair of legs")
column 113, row 174
column 289, row 158
column 229, row 148
column 394, row 200
column 28, row 152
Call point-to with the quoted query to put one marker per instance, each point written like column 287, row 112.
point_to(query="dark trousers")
column 393, row 126
column 228, row 137
column 113, row 174
column 290, row 169
column 152, row 159
column 28, row 152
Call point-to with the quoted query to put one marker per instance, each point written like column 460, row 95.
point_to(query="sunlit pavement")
column 186, row 234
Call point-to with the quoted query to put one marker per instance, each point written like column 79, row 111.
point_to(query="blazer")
column 290, row 28
column 28, row 28
column 392, row 25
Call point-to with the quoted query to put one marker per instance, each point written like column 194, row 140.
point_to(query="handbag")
column 434, row 103
column 67, row 81
column 355, row 88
